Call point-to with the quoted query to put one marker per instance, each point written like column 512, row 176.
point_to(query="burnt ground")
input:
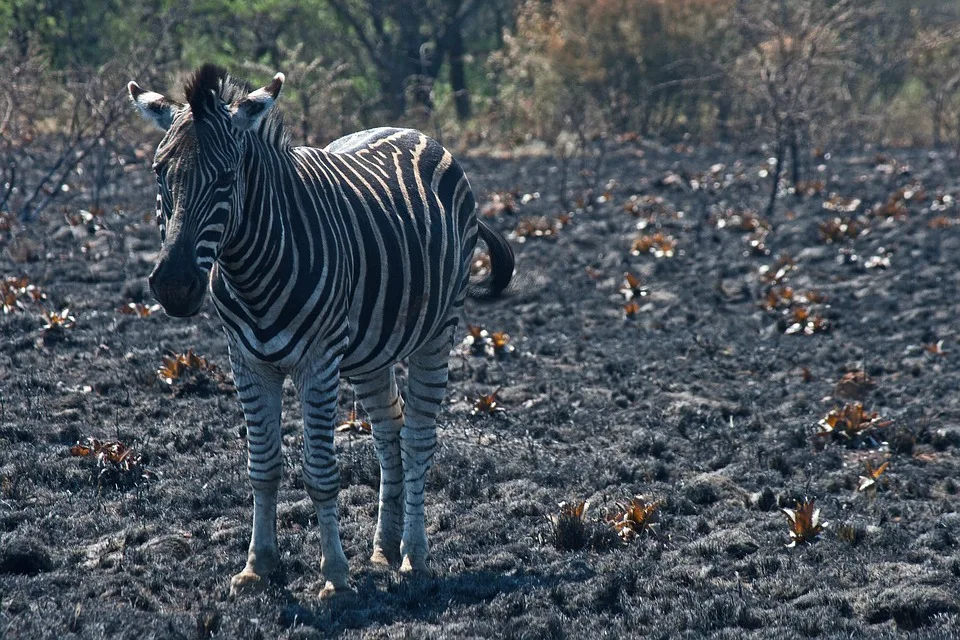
column 702, row 400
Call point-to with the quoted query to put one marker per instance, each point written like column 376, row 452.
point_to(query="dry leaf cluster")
column 659, row 245
column 804, row 321
column 138, row 309
column 841, row 204
column 500, row 202
column 804, row 522
column 177, row 367
column 648, row 207
column 354, row 424
column 92, row 220
column 57, row 321
column 568, row 527
column 112, row 457
column 633, row 287
column 540, row 227
column 871, row 476
column 487, row 405
column 16, row 293
column 481, row 342
column 634, row 518
column 480, row 266
column 797, row 312
column 840, row 229
column 850, row 422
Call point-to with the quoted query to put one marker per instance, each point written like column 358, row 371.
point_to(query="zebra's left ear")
column 247, row 113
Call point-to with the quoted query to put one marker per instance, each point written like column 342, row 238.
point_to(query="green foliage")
column 530, row 68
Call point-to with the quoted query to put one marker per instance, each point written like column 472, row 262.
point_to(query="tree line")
column 795, row 74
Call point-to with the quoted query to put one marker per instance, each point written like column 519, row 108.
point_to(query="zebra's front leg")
column 380, row 399
column 426, row 386
column 260, row 394
column 318, row 387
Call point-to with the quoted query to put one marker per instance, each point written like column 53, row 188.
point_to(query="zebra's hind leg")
column 380, row 399
column 318, row 386
column 260, row 393
column 426, row 386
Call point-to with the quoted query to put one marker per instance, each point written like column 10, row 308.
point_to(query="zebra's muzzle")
column 179, row 291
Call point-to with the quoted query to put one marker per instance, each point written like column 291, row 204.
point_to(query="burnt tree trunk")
column 458, row 75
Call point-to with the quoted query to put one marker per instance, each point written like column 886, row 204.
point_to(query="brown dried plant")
column 632, row 287
column 871, row 477
column 56, row 322
column 634, row 518
column 748, row 221
column 776, row 273
column 177, row 367
column 540, row 227
column 942, row 222
column 480, row 266
column 935, row 348
column 840, row 229
column 354, row 424
column 500, row 202
column 568, row 527
column 477, row 339
column 481, row 342
column 487, row 405
column 841, row 204
column 804, row 522
column 112, row 457
column 659, row 245
column 92, row 220
column 500, row 344
column 15, row 293
column 138, row 309
column 850, row 422
column 803, row 321
column 648, row 207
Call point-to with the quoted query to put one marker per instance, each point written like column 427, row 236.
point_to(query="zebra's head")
column 197, row 164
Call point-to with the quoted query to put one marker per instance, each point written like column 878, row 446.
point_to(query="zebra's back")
column 408, row 208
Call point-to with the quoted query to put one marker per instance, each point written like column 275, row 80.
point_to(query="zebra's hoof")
column 331, row 591
column 247, row 583
column 382, row 556
column 414, row 567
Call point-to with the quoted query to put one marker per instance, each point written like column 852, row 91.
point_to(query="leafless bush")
column 622, row 64
column 795, row 51
column 935, row 60
column 61, row 132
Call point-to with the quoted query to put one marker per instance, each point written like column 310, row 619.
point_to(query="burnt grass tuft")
column 700, row 400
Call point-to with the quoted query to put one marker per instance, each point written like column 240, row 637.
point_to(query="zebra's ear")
column 154, row 107
column 247, row 113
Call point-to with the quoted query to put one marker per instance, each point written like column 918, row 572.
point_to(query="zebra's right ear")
column 248, row 112
column 154, row 107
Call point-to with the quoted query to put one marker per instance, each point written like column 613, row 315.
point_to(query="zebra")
column 322, row 264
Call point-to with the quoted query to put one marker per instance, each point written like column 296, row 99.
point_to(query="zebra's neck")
column 256, row 250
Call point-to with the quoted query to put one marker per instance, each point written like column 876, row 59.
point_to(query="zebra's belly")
column 380, row 345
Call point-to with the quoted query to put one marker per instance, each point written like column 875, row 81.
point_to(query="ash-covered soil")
column 704, row 399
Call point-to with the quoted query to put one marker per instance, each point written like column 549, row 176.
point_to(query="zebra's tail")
column 501, row 266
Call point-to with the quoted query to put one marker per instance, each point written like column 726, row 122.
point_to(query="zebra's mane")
column 212, row 80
